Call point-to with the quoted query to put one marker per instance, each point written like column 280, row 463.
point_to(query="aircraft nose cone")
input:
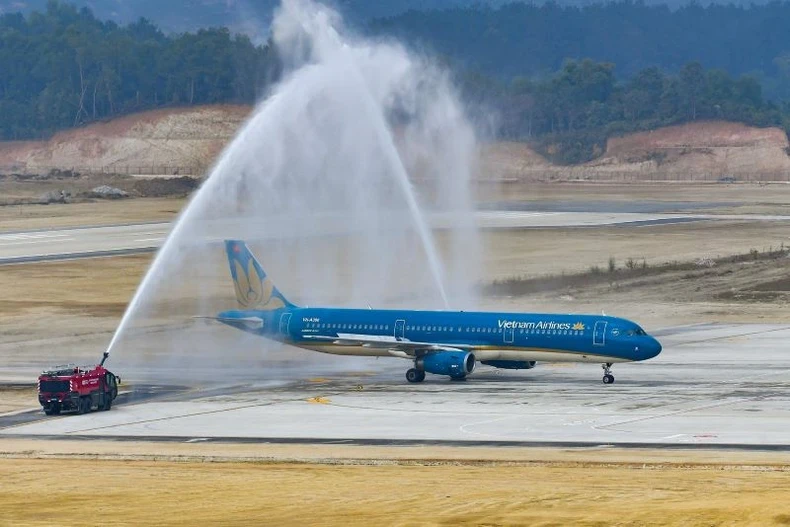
column 651, row 348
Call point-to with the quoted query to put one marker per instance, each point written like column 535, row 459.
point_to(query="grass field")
column 54, row 216
column 417, row 492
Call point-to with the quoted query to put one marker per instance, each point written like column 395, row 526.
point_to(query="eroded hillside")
column 181, row 141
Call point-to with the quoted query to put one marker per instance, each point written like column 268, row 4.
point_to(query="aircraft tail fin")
column 254, row 290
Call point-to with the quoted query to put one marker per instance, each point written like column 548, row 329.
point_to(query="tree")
column 692, row 83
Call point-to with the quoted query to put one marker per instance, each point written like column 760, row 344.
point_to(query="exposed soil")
column 185, row 141
column 166, row 187
column 174, row 141
column 702, row 151
column 22, row 189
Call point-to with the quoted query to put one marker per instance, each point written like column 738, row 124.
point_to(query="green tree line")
column 63, row 67
column 572, row 113
column 535, row 39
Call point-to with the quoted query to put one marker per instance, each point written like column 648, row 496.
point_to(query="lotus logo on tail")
column 253, row 287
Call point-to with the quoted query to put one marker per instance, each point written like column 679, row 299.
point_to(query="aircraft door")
column 508, row 335
column 285, row 321
column 599, row 334
column 400, row 329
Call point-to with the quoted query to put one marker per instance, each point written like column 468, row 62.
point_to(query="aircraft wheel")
column 608, row 378
column 415, row 375
column 459, row 378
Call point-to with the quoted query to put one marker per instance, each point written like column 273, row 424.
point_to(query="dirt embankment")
column 179, row 141
column 173, row 141
column 702, row 151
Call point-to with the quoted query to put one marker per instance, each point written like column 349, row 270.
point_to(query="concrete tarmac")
column 714, row 385
column 110, row 240
column 29, row 246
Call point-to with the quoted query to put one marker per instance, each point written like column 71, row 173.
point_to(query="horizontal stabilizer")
column 244, row 323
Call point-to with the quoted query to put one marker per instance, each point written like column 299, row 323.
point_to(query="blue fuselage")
column 501, row 339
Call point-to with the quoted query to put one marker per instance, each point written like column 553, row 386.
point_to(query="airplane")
column 446, row 343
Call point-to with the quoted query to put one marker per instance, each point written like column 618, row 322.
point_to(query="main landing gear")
column 415, row 375
column 608, row 378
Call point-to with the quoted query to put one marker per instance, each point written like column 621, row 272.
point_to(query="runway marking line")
column 29, row 242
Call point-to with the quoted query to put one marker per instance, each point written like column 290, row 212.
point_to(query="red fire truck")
column 81, row 389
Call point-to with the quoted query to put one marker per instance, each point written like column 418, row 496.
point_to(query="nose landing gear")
column 608, row 378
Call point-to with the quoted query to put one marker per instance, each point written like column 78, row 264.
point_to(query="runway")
column 714, row 386
column 61, row 244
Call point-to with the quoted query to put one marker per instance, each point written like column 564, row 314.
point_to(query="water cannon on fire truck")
column 71, row 388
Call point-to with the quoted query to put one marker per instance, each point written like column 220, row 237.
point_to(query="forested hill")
column 64, row 67
column 523, row 39
column 250, row 16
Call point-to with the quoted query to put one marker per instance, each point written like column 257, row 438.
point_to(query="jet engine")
column 453, row 363
column 510, row 364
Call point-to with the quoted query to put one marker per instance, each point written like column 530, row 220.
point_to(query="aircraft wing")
column 398, row 347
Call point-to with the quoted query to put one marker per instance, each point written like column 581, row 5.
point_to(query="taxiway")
column 714, row 385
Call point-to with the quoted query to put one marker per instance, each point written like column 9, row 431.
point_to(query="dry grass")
column 17, row 397
column 541, row 252
column 36, row 492
column 760, row 198
column 95, row 286
column 633, row 274
column 27, row 217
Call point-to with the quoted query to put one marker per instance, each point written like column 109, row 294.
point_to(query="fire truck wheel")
column 107, row 401
column 85, row 405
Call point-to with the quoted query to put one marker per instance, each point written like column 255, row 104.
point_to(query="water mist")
column 335, row 181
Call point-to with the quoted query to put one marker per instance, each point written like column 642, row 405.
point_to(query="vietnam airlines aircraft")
column 439, row 342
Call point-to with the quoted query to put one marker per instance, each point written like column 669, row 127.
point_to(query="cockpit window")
column 635, row 332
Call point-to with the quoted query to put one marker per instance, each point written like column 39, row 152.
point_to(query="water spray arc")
column 321, row 175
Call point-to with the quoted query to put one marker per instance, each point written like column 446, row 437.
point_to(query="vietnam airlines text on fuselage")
column 441, row 342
